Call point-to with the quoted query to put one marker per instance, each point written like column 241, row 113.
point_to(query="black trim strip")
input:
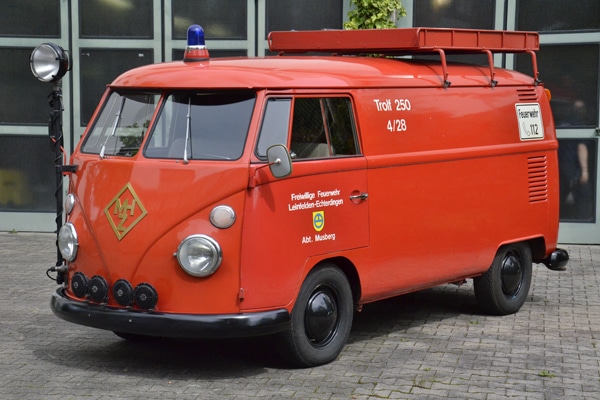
column 166, row 324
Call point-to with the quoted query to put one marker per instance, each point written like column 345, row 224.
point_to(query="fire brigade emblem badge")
column 318, row 220
column 124, row 211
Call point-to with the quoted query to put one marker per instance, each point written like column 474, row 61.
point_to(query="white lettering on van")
column 386, row 104
column 329, row 203
column 402, row 104
column 329, row 193
column 303, row 196
column 397, row 105
column 321, row 237
column 306, row 239
column 306, row 200
column 305, row 205
column 397, row 125
column 318, row 237
column 383, row 105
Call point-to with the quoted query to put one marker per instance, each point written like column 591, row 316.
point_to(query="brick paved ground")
column 429, row 345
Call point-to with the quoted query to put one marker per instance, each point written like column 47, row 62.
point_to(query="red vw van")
column 277, row 195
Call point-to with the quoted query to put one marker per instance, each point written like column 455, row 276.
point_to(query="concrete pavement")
column 428, row 345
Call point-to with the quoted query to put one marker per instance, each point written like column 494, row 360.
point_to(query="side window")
column 322, row 127
column 340, row 123
column 274, row 128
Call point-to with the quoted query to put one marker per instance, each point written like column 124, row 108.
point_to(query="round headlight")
column 67, row 241
column 69, row 203
column 199, row 255
column 49, row 62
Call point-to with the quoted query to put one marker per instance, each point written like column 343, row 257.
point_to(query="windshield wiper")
column 188, row 128
column 114, row 129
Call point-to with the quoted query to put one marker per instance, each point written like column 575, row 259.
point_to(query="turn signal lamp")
column 49, row 62
column 222, row 216
column 196, row 48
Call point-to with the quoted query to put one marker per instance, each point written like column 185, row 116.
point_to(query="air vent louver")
column 538, row 179
column 527, row 94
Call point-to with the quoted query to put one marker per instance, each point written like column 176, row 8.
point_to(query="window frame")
column 166, row 100
column 326, row 126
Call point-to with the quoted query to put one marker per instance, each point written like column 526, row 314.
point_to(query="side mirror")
column 280, row 162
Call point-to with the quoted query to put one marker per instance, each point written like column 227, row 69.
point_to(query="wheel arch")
column 349, row 269
column 321, row 318
column 504, row 287
column 538, row 249
column 537, row 245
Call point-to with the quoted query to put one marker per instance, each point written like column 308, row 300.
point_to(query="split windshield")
column 202, row 126
column 122, row 124
column 190, row 125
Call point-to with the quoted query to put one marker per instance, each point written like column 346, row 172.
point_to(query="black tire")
column 503, row 289
column 132, row 337
column 321, row 319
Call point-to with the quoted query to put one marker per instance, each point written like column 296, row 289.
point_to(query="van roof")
column 304, row 72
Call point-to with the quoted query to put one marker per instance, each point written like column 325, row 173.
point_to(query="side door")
column 319, row 211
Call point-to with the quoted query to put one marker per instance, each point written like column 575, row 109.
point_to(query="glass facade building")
column 107, row 37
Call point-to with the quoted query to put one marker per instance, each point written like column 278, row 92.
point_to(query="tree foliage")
column 374, row 14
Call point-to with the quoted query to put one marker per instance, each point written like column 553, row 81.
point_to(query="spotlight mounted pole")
column 49, row 63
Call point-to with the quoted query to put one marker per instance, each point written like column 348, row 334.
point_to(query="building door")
column 568, row 62
column 578, row 166
column 570, row 72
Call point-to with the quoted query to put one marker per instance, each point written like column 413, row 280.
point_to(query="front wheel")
column 503, row 289
column 133, row 337
column 321, row 319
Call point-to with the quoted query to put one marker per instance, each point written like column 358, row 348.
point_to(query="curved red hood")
column 128, row 205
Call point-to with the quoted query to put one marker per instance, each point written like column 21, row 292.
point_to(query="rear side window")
column 321, row 127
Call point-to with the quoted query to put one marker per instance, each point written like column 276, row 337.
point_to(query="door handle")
column 359, row 197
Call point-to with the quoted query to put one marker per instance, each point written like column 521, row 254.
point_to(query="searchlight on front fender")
column 49, row 62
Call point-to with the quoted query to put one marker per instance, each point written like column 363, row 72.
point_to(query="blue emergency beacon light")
column 196, row 48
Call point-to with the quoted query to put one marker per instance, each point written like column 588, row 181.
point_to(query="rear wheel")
column 503, row 289
column 321, row 319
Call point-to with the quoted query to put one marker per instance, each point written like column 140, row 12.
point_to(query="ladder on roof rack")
column 403, row 41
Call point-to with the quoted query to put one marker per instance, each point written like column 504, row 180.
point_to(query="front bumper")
column 167, row 324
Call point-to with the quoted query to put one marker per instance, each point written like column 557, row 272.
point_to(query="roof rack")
column 403, row 41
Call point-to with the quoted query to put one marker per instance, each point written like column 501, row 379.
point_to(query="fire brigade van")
column 277, row 195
